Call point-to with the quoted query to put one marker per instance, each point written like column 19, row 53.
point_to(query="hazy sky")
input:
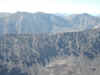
column 51, row 6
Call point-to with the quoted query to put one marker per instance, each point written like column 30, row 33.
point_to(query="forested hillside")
column 46, row 53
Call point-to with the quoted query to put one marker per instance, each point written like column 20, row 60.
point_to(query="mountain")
column 24, row 22
column 38, row 54
column 84, row 20
column 49, row 44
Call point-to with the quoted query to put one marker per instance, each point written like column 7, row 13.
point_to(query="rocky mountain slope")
column 49, row 44
column 47, row 53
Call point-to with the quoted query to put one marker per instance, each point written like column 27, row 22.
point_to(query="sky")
column 51, row 6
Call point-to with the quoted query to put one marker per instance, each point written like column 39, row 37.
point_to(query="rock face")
column 23, row 22
column 29, row 54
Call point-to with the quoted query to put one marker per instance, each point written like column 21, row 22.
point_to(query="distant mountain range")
column 24, row 22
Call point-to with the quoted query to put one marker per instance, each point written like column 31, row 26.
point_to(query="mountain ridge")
column 24, row 22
